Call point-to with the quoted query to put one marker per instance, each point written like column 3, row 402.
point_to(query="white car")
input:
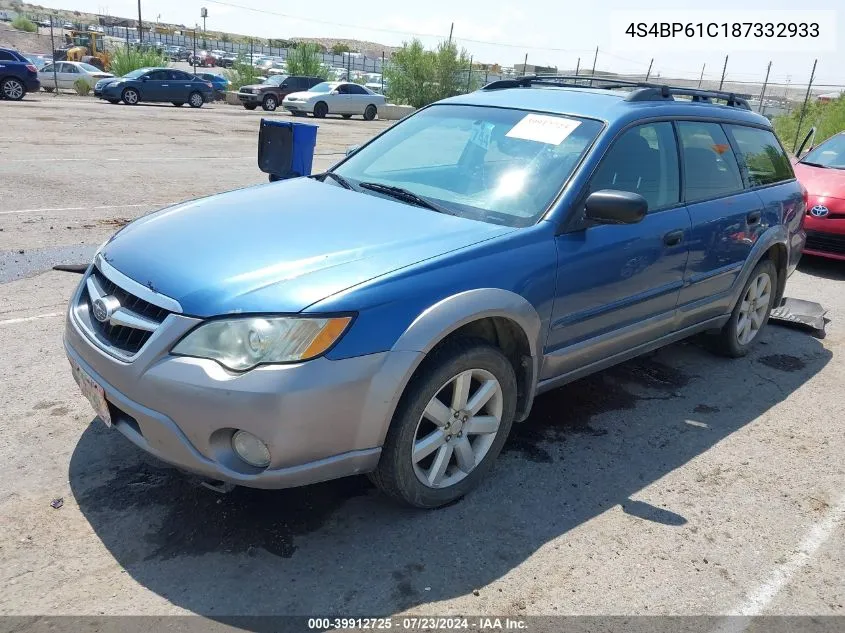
column 68, row 73
column 333, row 97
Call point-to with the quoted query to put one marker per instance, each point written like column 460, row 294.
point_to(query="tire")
column 250, row 106
column 739, row 334
column 12, row 89
column 178, row 104
column 196, row 100
column 479, row 366
column 347, row 116
column 320, row 110
column 298, row 113
column 370, row 112
column 130, row 96
column 114, row 101
column 270, row 103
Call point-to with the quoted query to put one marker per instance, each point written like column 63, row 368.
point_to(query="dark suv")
column 17, row 75
column 270, row 94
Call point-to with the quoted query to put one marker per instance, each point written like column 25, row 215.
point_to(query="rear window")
column 710, row 167
column 761, row 155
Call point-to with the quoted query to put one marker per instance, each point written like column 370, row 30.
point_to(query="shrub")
column 83, row 88
column 22, row 24
column 418, row 77
column 126, row 59
column 828, row 118
column 242, row 73
column 305, row 60
column 339, row 48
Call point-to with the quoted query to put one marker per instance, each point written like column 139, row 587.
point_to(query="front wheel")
column 195, row 100
column 751, row 313
column 12, row 89
column 250, row 106
column 450, row 425
column 321, row 110
column 370, row 112
column 130, row 96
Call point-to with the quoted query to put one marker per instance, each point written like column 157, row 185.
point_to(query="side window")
column 710, row 167
column 355, row 89
column 158, row 75
column 178, row 75
column 342, row 89
column 760, row 155
column 70, row 68
column 643, row 160
column 6, row 57
column 47, row 69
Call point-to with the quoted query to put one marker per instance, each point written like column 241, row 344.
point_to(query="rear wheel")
column 178, row 104
column 270, row 103
column 370, row 112
column 450, row 425
column 250, row 106
column 751, row 313
column 130, row 96
column 195, row 100
column 321, row 109
column 12, row 89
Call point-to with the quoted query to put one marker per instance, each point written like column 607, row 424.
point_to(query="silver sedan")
column 335, row 97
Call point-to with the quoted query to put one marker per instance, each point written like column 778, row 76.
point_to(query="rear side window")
column 5, row 56
column 710, row 167
column 643, row 160
column 761, row 155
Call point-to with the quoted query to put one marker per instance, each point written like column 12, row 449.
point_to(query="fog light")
column 251, row 449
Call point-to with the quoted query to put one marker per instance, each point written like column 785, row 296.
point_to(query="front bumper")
column 249, row 97
column 321, row 419
column 297, row 106
column 826, row 235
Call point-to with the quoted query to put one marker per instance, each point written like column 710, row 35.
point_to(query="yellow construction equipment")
column 84, row 46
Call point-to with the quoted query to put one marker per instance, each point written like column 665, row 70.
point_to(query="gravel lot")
column 679, row 483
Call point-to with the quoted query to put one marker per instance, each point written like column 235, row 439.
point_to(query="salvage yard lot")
column 678, row 483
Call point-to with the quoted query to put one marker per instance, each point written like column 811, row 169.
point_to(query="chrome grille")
column 127, row 329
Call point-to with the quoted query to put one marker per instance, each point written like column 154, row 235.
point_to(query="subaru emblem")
column 819, row 211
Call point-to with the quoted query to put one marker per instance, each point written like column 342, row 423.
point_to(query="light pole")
column 140, row 32
column 203, row 15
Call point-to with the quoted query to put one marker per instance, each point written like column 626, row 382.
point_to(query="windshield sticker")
column 543, row 129
column 481, row 133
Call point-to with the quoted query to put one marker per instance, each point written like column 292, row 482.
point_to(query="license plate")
column 94, row 392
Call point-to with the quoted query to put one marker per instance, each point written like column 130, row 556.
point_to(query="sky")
column 550, row 32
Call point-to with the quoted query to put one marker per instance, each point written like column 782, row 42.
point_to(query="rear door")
column 180, row 85
column 46, row 75
column 618, row 285
column 726, row 218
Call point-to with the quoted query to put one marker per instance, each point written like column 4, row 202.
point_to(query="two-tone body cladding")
column 397, row 314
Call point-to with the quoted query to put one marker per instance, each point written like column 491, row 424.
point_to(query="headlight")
column 243, row 343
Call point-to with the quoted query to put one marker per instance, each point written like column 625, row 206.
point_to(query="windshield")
column 136, row 73
column 89, row 68
column 831, row 153
column 492, row 164
column 323, row 87
column 276, row 81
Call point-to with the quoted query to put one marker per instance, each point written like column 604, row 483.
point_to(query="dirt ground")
column 679, row 483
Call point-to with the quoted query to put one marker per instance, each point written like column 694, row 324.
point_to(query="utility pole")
column 525, row 66
column 804, row 107
column 701, row 78
column 763, row 91
column 469, row 74
column 648, row 74
column 595, row 59
column 577, row 66
column 140, row 31
column 451, row 28
column 53, row 46
column 724, row 68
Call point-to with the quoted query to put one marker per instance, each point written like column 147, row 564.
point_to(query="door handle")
column 165, row 85
column 673, row 238
column 754, row 217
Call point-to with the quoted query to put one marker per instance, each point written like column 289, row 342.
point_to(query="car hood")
column 281, row 247
column 305, row 94
column 821, row 182
column 258, row 87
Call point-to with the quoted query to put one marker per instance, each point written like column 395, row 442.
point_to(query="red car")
column 822, row 172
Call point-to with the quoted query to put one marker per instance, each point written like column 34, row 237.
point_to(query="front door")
column 618, row 285
column 156, row 86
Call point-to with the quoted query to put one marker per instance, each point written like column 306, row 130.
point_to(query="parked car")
column 218, row 82
column 17, row 75
column 39, row 61
column 201, row 58
column 822, row 172
column 68, row 73
column 156, row 85
column 489, row 247
column 69, row 26
column 270, row 93
column 331, row 97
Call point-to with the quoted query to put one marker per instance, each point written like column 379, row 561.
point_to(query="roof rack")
column 643, row 91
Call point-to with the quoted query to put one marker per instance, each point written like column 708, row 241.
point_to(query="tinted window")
column 761, row 155
column 7, row 57
column 710, row 167
column 643, row 160
column 48, row 68
column 355, row 89
column 178, row 75
column 158, row 75
column 70, row 68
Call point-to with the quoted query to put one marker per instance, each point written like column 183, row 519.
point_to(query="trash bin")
column 286, row 149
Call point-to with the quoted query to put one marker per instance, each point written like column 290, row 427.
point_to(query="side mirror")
column 144, row 78
column 609, row 206
column 335, row 92
column 352, row 149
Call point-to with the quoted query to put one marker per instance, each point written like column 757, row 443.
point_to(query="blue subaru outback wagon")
column 396, row 315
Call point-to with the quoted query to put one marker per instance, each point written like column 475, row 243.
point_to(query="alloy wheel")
column 13, row 89
column 130, row 97
column 196, row 100
column 754, row 308
column 457, row 428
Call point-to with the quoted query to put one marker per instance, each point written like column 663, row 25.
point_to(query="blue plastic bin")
column 286, row 149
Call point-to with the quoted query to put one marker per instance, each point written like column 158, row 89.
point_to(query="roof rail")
column 643, row 91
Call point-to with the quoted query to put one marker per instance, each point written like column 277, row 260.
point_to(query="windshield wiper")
column 405, row 195
column 343, row 182
column 814, row 164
